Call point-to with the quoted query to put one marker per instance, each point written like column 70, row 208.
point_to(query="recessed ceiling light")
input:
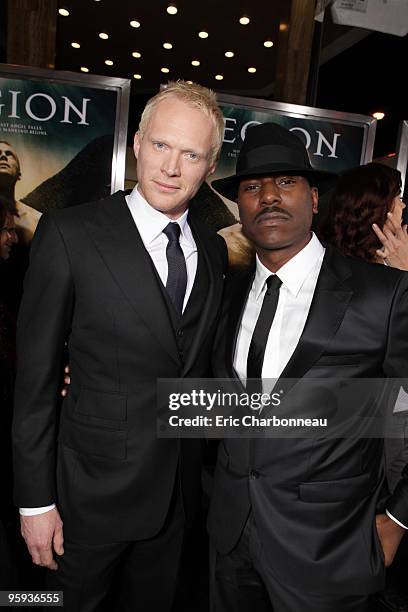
column 379, row 115
column 203, row 34
column 63, row 12
column 103, row 35
column 268, row 43
column 84, row 69
column 167, row 45
column 229, row 54
column 172, row 9
column 136, row 54
column 76, row 45
column 165, row 70
column 195, row 63
column 189, row 82
column 109, row 62
column 244, row 20
column 252, row 70
column 135, row 24
column 283, row 27
column 137, row 76
column 219, row 77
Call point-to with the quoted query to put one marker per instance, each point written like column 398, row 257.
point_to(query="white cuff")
column 395, row 520
column 35, row 511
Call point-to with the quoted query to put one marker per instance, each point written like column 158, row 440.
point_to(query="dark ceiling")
column 88, row 18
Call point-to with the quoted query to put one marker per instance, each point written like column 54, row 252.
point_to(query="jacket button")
column 253, row 474
column 180, row 333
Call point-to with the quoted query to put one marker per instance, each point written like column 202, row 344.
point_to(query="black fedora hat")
column 269, row 148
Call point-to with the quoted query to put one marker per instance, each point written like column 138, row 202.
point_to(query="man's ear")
column 315, row 200
column 211, row 169
column 136, row 144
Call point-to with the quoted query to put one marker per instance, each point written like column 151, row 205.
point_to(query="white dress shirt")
column 150, row 224
column 299, row 277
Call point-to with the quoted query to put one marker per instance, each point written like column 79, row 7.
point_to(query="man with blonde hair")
column 133, row 283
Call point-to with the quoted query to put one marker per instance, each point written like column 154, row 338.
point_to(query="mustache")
column 273, row 209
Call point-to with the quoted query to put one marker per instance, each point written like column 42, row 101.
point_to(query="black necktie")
column 177, row 270
column 263, row 325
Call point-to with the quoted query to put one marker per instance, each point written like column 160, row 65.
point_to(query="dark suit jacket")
column 92, row 283
column 314, row 499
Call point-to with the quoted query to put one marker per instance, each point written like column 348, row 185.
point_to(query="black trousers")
column 243, row 583
column 122, row 576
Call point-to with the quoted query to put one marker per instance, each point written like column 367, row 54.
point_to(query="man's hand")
column 43, row 535
column 390, row 535
column 394, row 239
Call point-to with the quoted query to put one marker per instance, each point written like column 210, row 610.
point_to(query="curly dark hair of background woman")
column 362, row 196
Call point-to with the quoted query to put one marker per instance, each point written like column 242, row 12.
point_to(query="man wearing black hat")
column 304, row 523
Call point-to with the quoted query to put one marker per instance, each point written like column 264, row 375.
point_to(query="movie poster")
column 335, row 141
column 68, row 134
column 402, row 161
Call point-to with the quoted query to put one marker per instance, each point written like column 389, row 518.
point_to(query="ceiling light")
column 76, row 45
column 172, row 9
column 283, row 27
column 195, row 63
column 244, row 20
column 165, row 70
column 137, row 76
column 135, row 24
column 379, row 115
column 219, row 77
column 167, row 45
column 203, row 34
column 252, row 70
column 63, row 12
column 229, row 54
column 189, row 82
column 268, row 43
column 109, row 62
column 103, row 35
column 84, row 69
column 136, row 54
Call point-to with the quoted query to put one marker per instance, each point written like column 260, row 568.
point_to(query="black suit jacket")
column 92, row 283
column 314, row 499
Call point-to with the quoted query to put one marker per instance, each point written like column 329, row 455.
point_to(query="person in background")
column 8, row 238
column 10, row 173
column 364, row 219
column 365, row 215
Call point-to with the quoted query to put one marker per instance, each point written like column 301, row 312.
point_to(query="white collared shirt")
column 150, row 224
column 299, row 277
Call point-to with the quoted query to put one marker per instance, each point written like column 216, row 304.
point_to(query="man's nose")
column 270, row 193
column 171, row 164
column 3, row 155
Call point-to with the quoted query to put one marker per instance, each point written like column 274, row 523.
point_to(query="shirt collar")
column 294, row 273
column 151, row 222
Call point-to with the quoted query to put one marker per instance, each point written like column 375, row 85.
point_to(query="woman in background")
column 364, row 219
column 365, row 215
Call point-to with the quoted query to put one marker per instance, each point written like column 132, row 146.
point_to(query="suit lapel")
column 233, row 312
column 119, row 243
column 330, row 301
column 210, row 254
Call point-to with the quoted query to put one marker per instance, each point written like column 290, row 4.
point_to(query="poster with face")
column 62, row 139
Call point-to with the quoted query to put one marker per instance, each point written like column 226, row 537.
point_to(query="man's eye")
column 192, row 156
column 159, row 146
column 251, row 187
column 286, row 180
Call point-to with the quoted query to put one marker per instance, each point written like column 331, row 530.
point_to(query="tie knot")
column 273, row 282
column 172, row 231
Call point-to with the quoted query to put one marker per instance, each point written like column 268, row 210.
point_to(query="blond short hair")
column 196, row 96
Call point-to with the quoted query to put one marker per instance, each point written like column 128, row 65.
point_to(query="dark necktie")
column 177, row 270
column 263, row 325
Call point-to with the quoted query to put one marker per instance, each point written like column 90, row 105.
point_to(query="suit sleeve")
column 396, row 366
column 42, row 329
